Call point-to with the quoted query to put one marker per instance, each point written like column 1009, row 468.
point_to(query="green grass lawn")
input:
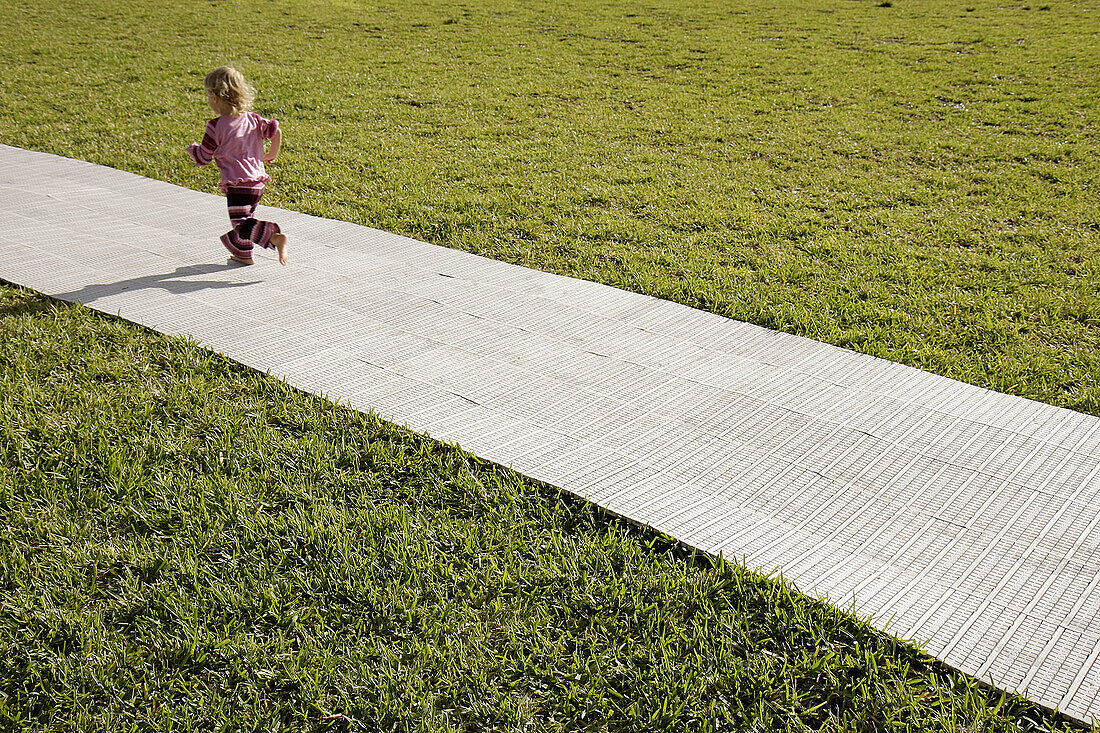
column 187, row 545
column 918, row 181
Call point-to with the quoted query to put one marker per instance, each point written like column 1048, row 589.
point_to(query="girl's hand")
column 270, row 156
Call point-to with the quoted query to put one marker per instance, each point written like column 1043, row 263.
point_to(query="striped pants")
column 247, row 230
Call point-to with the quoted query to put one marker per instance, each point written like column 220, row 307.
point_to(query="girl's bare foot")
column 241, row 260
column 279, row 240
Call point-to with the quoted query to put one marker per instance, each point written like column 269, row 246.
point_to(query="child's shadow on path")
column 168, row 281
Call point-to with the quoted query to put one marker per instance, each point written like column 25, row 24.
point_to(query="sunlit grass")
column 188, row 545
column 916, row 181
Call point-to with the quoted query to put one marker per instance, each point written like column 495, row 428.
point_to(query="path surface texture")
column 964, row 519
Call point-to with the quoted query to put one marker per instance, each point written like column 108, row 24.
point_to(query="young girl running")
column 235, row 142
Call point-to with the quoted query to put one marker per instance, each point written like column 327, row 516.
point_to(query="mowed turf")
column 917, row 179
column 188, row 545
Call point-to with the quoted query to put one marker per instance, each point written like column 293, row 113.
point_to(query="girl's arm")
column 202, row 153
column 276, row 143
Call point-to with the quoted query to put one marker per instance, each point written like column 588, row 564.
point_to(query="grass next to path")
column 916, row 179
column 188, row 545
column 185, row 545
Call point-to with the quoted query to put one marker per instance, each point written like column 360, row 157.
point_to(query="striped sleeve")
column 202, row 153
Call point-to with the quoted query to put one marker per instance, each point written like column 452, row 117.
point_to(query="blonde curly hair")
column 228, row 85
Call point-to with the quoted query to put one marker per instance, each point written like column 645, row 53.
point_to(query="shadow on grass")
column 26, row 302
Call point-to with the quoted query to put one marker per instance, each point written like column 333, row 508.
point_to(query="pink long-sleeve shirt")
column 236, row 145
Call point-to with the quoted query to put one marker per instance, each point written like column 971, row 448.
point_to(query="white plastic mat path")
column 961, row 518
